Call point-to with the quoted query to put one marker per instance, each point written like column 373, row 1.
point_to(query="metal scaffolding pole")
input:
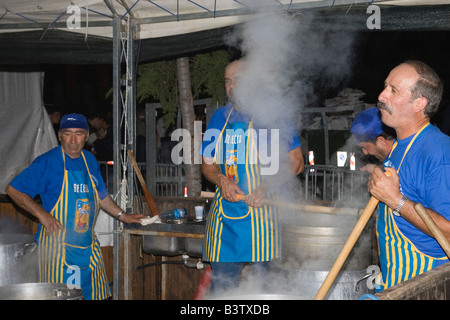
column 116, row 143
column 124, row 132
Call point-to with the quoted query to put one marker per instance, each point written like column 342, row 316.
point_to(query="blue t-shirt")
column 425, row 178
column 45, row 175
column 287, row 132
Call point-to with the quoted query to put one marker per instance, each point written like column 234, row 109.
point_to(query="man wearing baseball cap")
column 372, row 135
column 68, row 181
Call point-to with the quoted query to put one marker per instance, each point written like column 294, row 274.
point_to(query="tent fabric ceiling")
column 154, row 18
column 61, row 47
column 35, row 32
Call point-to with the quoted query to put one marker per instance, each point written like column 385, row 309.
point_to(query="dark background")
column 83, row 88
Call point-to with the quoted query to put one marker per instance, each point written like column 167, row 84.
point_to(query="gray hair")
column 428, row 86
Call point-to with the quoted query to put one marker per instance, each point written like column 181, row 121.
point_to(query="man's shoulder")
column 222, row 111
column 430, row 150
column 435, row 139
column 52, row 154
column 219, row 116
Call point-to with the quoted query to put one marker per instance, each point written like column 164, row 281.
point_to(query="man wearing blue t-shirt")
column 239, row 232
column 68, row 181
column 420, row 166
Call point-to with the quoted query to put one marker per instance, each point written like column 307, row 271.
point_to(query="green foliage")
column 207, row 71
column 158, row 81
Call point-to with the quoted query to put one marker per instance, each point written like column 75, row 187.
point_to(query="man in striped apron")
column 419, row 163
column 72, row 191
column 238, row 232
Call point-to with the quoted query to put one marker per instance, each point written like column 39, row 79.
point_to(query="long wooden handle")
column 298, row 206
column 437, row 233
column 348, row 246
column 148, row 196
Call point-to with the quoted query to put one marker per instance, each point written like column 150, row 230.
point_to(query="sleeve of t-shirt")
column 26, row 181
column 440, row 181
column 293, row 139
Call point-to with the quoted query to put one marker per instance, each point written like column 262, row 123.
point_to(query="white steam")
column 287, row 58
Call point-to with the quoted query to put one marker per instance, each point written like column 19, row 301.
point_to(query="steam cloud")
column 287, row 57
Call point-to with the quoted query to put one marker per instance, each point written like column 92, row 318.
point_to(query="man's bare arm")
column 30, row 205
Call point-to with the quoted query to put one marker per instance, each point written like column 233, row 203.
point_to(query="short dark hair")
column 428, row 86
column 388, row 133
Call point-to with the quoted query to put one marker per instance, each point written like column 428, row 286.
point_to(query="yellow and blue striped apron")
column 73, row 256
column 400, row 260
column 236, row 232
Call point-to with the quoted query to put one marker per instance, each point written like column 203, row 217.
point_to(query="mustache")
column 384, row 106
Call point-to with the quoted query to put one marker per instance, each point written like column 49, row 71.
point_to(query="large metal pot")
column 313, row 241
column 310, row 245
column 348, row 285
column 18, row 259
column 40, row 291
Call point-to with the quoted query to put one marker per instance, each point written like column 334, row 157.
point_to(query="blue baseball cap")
column 367, row 125
column 73, row 120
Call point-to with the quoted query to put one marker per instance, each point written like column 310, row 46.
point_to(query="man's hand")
column 255, row 199
column 27, row 203
column 51, row 224
column 228, row 188
column 131, row 218
column 108, row 205
column 385, row 186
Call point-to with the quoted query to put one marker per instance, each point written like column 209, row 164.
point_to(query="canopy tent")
column 25, row 126
column 39, row 32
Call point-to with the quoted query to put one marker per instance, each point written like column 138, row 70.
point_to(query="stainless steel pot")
column 348, row 285
column 18, row 259
column 313, row 241
column 40, row 291
column 310, row 245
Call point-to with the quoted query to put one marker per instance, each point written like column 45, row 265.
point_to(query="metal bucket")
column 40, row 291
column 18, row 259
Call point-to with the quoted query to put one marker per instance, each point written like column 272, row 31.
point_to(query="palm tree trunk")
column 193, row 171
